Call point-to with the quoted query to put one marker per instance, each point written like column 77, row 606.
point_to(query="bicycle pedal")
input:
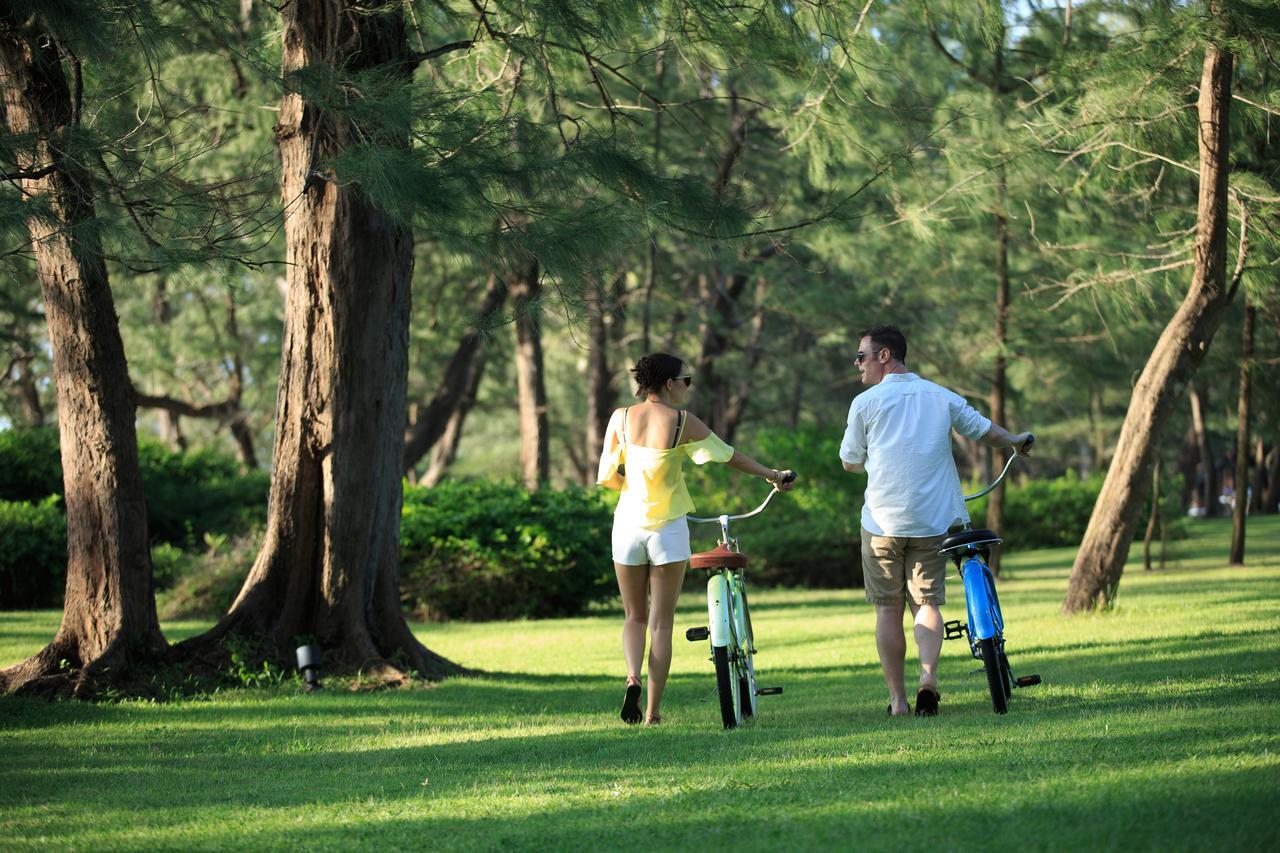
column 978, row 671
column 693, row 635
column 1027, row 680
column 768, row 691
column 955, row 630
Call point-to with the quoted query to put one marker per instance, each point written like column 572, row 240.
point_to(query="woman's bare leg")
column 664, row 590
column 633, row 584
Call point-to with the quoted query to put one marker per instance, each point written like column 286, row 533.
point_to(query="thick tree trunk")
column 328, row 567
column 1099, row 564
column 995, row 503
column 1208, row 481
column 535, row 464
column 1241, row 493
column 109, row 625
column 437, row 416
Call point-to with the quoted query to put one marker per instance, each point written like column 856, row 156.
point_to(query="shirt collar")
column 898, row 377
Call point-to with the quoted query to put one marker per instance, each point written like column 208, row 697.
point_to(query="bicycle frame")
column 971, row 553
column 729, row 622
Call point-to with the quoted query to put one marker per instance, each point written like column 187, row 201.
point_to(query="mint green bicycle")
column 729, row 621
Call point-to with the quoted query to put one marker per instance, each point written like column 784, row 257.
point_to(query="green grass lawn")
column 1158, row 726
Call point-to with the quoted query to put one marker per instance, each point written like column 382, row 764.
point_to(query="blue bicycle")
column 970, row 550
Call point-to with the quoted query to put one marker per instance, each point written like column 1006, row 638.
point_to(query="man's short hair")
column 889, row 337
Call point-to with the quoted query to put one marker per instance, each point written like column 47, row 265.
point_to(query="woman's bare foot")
column 654, row 720
column 631, row 701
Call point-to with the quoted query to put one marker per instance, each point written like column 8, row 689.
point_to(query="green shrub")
column 33, row 554
column 1044, row 513
column 493, row 550
column 807, row 537
column 30, row 468
column 207, row 582
column 198, row 492
column 188, row 494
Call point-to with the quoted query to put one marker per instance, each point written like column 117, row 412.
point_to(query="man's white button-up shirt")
column 900, row 430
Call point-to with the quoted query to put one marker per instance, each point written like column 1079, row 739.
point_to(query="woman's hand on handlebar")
column 786, row 480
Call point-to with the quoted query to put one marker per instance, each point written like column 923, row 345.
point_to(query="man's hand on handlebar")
column 1022, row 443
column 786, row 481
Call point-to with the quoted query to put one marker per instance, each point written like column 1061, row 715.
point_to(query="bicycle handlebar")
column 791, row 475
column 1016, row 453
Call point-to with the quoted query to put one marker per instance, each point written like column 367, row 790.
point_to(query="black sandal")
column 927, row 702
column 631, row 705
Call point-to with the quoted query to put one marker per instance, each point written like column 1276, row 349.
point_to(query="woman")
column 650, row 532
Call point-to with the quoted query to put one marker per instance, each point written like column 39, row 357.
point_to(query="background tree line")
column 426, row 240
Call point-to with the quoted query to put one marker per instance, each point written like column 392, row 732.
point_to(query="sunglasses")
column 687, row 380
column 862, row 356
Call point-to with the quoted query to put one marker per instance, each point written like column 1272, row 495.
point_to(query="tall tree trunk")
column 995, row 503
column 1199, row 398
column 434, row 420
column 109, row 625
column 1272, row 496
column 1152, row 518
column 1095, row 576
column 328, row 568
column 446, row 449
column 603, row 327
column 1241, row 492
column 1259, row 475
column 28, row 392
column 535, row 465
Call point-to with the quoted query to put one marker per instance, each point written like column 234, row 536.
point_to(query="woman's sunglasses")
column 687, row 380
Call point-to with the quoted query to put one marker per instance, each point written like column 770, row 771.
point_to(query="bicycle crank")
column 768, row 691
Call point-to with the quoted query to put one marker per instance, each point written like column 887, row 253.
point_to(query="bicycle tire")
column 747, row 682
column 997, row 674
column 727, row 686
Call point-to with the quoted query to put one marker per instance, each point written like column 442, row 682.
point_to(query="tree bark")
column 437, row 416
column 535, row 465
column 109, row 627
column 1095, row 576
column 1241, row 492
column 1272, row 496
column 1259, row 475
column 28, row 393
column 329, row 563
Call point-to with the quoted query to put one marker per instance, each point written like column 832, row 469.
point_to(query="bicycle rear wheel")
column 997, row 669
column 728, row 686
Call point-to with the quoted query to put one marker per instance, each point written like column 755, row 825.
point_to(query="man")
column 899, row 432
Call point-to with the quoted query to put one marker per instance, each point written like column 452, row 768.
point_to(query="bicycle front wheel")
column 728, row 686
column 997, row 668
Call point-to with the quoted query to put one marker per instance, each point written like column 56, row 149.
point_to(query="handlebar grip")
column 1031, row 439
column 787, row 478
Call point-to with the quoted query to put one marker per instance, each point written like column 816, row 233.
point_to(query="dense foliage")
column 493, row 550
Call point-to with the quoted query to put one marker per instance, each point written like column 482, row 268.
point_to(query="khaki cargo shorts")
column 903, row 568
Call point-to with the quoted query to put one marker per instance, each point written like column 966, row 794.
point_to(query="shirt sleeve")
column 709, row 449
column 612, row 438
column 967, row 420
column 853, row 449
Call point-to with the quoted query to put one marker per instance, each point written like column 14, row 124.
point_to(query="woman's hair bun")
column 652, row 371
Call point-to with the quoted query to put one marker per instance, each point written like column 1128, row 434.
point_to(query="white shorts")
column 636, row 546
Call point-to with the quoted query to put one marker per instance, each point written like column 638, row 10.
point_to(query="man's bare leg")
column 891, row 643
column 928, row 631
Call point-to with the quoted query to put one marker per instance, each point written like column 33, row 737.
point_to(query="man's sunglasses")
column 862, row 356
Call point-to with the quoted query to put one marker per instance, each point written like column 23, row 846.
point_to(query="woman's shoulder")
column 694, row 429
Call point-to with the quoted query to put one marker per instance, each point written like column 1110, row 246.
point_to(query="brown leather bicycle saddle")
column 969, row 537
column 719, row 557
